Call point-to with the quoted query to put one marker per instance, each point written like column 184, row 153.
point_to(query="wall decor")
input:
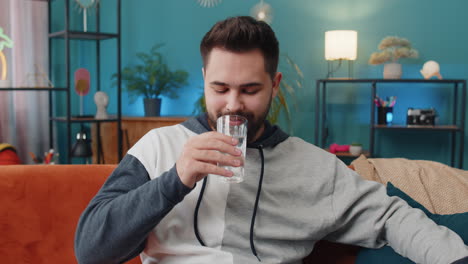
column 37, row 79
column 391, row 50
column 82, row 78
column 5, row 41
column 85, row 5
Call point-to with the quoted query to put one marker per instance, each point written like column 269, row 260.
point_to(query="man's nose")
column 234, row 103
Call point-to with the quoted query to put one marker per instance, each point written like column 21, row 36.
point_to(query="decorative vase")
column 392, row 71
column 152, row 106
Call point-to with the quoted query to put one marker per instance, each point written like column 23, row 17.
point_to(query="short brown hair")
column 242, row 34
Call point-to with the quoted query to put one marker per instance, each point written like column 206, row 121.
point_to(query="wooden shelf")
column 349, row 155
column 418, row 127
column 82, row 35
column 351, row 80
column 85, row 119
column 32, row 89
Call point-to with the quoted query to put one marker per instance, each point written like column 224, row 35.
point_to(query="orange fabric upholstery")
column 41, row 205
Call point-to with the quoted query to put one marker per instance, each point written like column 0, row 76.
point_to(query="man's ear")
column 203, row 72
column 276, row 83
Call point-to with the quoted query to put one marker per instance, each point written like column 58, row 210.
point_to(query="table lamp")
column 340, row 45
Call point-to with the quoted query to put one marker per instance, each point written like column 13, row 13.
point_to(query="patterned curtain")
column 24, row 115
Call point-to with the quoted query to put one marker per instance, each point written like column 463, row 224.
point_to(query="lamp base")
column 332, row 69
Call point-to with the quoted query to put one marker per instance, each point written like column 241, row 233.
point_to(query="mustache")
column 247, row 115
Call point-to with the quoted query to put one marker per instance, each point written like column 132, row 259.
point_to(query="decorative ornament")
column 5, row 41
column 85, row 4
column 431, row 68
column 82, row 79
column 209, row 3
column 37, row 79
column 102, row 100
column 262, row 12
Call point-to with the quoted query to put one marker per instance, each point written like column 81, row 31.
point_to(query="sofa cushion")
column 455, row 222
column 40, row 207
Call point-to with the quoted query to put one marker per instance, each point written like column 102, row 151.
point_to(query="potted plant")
column 391, row 50
column 152, row 79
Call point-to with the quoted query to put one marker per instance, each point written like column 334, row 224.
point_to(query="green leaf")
column 152, row 77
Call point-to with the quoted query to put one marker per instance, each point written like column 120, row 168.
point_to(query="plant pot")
column 355, row 150
column 152, row 106
column 392, row 71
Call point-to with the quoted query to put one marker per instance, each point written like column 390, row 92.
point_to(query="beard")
column 254, row 124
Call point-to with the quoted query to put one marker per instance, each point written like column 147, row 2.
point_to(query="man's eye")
column 250, row 91
column 221, row 91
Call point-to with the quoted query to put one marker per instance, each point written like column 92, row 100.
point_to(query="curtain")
column 24, row 115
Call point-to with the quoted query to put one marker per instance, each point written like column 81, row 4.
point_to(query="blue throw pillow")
column 455, row 222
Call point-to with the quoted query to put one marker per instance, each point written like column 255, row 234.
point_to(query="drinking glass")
column 234, row 126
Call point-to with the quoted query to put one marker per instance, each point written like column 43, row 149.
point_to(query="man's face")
column 237, row 83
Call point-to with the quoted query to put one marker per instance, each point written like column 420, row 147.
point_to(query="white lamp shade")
column 341, row 44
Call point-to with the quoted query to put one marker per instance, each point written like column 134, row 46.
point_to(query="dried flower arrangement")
column 392, row 49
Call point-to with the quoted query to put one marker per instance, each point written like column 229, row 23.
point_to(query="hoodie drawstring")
column 259, row 189
column 195, row 217
column 252, row 223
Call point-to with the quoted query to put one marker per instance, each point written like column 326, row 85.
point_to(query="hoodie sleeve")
column 114, row 226
column 365, row 215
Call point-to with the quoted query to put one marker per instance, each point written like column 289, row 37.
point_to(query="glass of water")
column 234, row 126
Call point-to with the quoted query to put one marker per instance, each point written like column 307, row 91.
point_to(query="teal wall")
column 437, row 29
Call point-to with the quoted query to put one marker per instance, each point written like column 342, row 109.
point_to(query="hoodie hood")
column 272, row 135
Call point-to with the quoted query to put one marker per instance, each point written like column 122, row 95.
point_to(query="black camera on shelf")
column 421, row 117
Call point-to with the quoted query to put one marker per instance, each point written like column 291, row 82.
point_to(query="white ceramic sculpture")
column 431, row 68
column 102, row 100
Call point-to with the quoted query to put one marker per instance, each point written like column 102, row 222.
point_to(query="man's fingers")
column 224, row 146
column 208, row 168
column 216, row 136
column 202, row 154
column 215, row 157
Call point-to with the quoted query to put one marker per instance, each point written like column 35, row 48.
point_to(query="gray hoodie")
column 293, row 195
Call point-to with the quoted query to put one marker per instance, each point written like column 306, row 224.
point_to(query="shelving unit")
column 456, row 129
column 68, row 35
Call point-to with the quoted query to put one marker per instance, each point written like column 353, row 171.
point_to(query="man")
column 160, row 203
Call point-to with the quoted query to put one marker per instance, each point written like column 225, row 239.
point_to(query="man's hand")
column 202, row 153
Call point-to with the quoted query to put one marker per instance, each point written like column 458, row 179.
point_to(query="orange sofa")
column 41, row 205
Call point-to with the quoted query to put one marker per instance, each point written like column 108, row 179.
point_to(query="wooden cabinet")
column 133, row 128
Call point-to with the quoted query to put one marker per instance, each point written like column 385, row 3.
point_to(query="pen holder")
column 384, row 115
